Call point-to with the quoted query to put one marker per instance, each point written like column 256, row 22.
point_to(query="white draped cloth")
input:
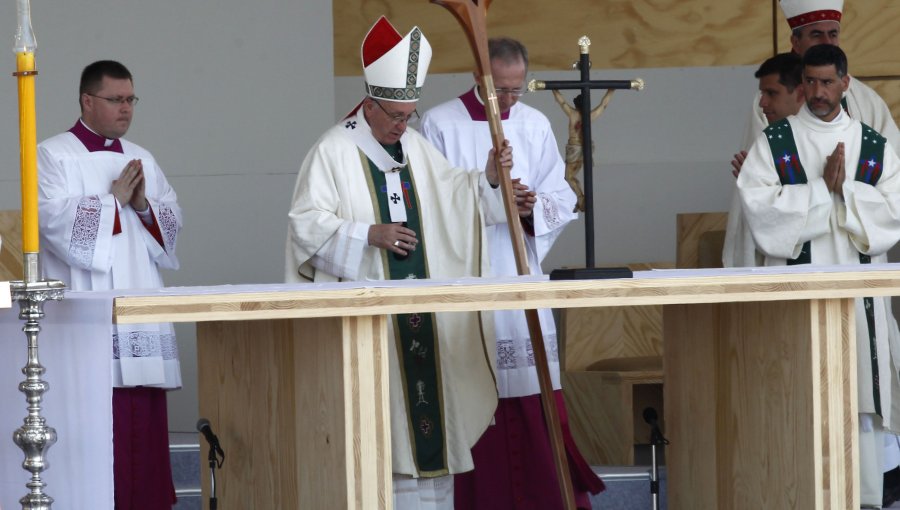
column 77, row 216
column 782, row 218
column 334, row 203
column 74, row 348
column 536, row 160
column 863, row 104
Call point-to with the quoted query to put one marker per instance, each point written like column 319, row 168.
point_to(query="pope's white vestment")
column 333, row 206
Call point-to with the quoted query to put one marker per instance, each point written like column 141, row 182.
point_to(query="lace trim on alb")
column 84, row 231
column 142, row 344
column 509, row 357
column 168, row 224
column 551, row 212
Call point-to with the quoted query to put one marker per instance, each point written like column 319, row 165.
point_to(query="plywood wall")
column 869, row 36
column 625, row 34
column 632, row 34
column 889, row 90
column 871, row 40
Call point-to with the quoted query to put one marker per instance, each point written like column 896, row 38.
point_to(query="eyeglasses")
column 398, row 118
column 511, row 92
column 131, row 100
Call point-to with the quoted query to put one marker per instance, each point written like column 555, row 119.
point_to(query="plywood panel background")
column 625, row 34
column 889, row 90
column 869, row 36
column 11, row 249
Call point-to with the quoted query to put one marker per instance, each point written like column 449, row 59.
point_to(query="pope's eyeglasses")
column 397, row 118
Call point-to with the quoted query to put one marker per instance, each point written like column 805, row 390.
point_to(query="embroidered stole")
column 415, row 334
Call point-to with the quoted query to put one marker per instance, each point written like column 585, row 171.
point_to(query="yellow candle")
column 28, row 152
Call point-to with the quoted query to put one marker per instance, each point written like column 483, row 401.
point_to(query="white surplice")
column 536, row 160
column 77, row 216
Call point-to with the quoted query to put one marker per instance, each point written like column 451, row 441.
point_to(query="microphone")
column 650, row 417
column 205, row 428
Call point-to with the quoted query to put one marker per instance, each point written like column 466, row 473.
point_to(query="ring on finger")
column 397, row 243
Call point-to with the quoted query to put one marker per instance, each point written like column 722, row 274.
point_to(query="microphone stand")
column 213, row 461
column 656, row 439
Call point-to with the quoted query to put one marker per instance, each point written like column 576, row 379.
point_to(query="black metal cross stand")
column 585, row 85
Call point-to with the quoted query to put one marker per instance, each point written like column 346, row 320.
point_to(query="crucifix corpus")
column 582, row 140
column 472, row 15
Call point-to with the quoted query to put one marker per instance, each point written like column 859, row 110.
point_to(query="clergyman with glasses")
column 110, row 220
column 459, row 129
column 375, row 201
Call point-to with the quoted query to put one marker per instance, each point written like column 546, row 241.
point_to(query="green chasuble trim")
column 415, row 335
column 790, row 171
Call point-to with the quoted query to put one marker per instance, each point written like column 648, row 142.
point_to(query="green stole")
column 790, row 172
column 415, row 334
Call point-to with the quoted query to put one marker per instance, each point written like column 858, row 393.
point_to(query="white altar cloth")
column 75, row 348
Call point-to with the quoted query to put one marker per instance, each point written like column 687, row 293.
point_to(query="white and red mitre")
column 395, row 66
column 800, row 13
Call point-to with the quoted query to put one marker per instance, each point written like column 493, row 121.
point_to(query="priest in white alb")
column 110, row 220
column 811, row 22
column 823, row 188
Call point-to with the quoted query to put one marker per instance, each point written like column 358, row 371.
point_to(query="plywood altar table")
column 760, row 371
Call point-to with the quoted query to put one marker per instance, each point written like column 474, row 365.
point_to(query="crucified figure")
column 574, row 156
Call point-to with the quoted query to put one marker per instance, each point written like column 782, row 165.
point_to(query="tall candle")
column 24, row 49
column 28, row 152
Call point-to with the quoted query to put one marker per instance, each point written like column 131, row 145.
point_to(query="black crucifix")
column 583, row 103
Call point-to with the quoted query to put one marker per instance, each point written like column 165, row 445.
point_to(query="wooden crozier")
column 471, row 15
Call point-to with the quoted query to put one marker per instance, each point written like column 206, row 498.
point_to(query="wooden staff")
column 472, row 14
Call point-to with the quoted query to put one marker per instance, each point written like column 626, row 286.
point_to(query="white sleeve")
column 164, row 206
column 342, row 254
column 781, row 217
column 555, row 206
column 78, row 229
column 871, row 214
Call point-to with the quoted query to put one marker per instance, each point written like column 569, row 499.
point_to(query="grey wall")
column 232, row 94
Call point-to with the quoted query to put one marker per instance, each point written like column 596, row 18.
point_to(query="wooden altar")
column 760, row 380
